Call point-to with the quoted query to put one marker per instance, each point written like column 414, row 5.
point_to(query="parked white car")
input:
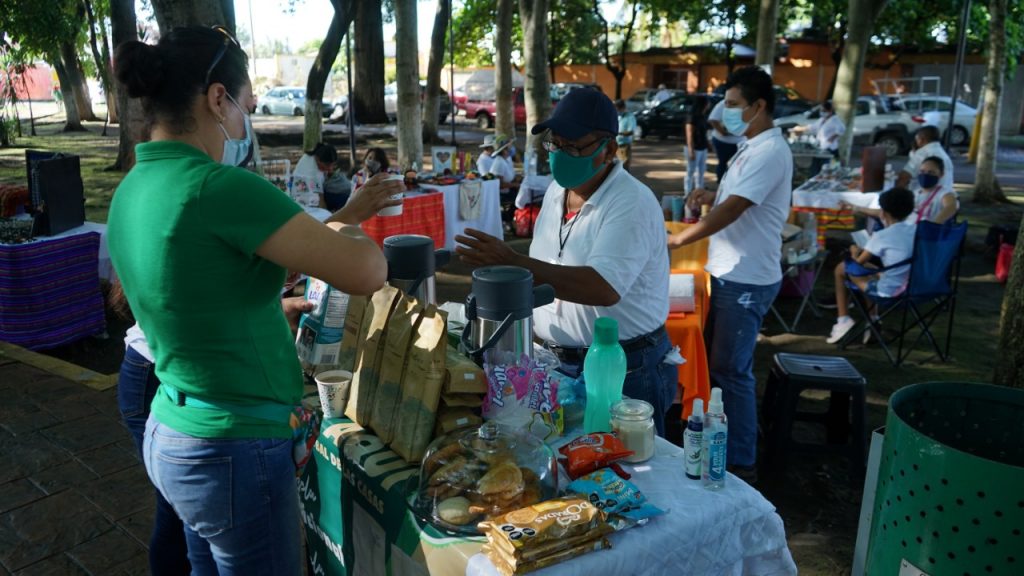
column 874, row 123
column 935, row 112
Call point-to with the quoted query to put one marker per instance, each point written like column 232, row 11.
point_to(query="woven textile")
column 50, row 291
column 422, row 214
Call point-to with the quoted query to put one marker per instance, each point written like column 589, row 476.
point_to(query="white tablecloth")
column 733, row 532
column 490, row 211
column 532, row 189
column 817, row 193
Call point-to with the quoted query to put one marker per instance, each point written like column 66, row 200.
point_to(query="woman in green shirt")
column 201, row 248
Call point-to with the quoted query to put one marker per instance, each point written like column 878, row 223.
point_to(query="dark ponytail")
column 167, row 77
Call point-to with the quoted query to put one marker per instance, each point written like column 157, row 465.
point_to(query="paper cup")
column 393, row 210
column 333, row 386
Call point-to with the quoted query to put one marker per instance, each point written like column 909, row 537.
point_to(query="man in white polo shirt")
column 600, row 242
column 745, row 253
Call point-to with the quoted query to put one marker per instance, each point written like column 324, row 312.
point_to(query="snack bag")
column 511, row 567
column 591, row 452
column 528, row 528
column 404, row 320
column 620, row 499
column 521, row 385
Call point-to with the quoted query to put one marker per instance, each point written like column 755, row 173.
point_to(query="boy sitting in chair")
column 893, row 244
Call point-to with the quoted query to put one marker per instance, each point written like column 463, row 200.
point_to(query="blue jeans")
column 730, row 335
column 695, row 169
column 237, row 497
column 136, row 386
column 725, row 152
column 648, row 378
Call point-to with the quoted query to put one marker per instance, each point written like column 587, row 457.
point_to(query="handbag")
column 1004, row 260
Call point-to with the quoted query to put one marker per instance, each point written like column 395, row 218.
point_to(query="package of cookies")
column 518, row 533
column 477, row 472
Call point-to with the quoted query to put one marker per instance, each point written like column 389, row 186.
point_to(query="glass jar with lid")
column 633, row 422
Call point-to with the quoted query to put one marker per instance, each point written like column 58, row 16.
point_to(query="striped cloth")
column 50, row 291
column 422, row 214
column 829, row 220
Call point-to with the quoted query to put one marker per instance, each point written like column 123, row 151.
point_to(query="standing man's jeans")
column 730, row 335
column 725, row 152
column 237, row 497
column 648, row 377
column 136, row 387
column 695, row 169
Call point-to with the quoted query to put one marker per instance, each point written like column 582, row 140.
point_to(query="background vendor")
column 600, row 242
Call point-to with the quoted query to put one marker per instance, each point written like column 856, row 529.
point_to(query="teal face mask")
column 571, row 171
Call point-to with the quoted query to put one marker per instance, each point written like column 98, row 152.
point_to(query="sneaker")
column 840, row 329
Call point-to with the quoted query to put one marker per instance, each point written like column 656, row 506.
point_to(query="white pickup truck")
column 874, row 123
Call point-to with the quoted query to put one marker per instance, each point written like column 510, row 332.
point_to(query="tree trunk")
column 410, row 119
column 132, row 124
column 533, row 15
column 504, row 118
column 432, row 103
column 325, row 57
column 77, row 89
column 767, row 27
column 618, row 72
column 74, row 121
column 368, row 101
column 171, row 14
column 863, row 14
column 986, row 188
column 1010, row 363
column 102, row 66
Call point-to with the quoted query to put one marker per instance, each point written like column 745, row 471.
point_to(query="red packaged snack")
column 592, row 452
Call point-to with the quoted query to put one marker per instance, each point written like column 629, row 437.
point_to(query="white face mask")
column 237, row 152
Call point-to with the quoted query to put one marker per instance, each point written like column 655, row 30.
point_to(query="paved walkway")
column 74, row 497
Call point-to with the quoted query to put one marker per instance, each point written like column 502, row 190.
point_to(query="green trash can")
column 950, row 494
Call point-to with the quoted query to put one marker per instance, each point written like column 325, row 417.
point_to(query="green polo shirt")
column 182, row 232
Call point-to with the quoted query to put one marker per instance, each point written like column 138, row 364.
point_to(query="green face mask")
column 571, row 171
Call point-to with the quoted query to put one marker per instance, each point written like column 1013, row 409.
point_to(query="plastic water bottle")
column 604, row 369
column 716, row 436
column 692, row 436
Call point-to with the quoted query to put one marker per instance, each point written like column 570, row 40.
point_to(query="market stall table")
column 50, row 287
column 357, row 521
column 489, row 221
column 822, row 194
column 423, row 213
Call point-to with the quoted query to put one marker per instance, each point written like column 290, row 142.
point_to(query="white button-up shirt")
column 620, row 233
column 749, row 250
column 826, row 128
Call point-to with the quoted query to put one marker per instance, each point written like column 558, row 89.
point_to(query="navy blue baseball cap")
column 580, row 112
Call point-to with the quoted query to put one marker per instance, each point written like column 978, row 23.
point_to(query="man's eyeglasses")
column 574, row 151
column 228, row 41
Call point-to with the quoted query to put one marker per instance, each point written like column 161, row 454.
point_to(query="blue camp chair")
column 931, row 291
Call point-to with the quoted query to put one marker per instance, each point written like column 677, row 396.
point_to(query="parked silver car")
column 391, row 102
column 289, row 101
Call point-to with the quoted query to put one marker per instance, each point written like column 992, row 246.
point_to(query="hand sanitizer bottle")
column 692, row 439
column 715, row 439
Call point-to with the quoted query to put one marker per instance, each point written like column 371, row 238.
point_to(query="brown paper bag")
column 404, row 320
column 464, row 376
column 352, row 336
column 449, row 419
column 462, row 400
column 366, row 376
column 421, row 387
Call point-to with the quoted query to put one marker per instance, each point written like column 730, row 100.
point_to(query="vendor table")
column 821, row 195
column 686, row 329
column 423, row 213
column 353, row 494
column 50, row 288
column 532, row 189
column 489, row 221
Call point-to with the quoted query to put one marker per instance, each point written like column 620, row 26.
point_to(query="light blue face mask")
column 732, row 118
column 237, row 152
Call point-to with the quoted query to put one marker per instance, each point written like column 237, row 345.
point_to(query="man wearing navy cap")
column 600, row 242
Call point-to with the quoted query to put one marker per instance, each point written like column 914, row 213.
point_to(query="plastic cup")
column 333, row 386
column 678, row 204
column 393, row 210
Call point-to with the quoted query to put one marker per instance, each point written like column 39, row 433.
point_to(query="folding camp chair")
column 931, row 291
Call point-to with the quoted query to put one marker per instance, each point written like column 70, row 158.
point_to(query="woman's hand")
column 371, row 197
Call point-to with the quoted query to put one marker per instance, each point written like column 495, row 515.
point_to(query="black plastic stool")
column 792, row 374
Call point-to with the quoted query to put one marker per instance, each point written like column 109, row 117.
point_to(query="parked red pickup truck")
column 484, row 110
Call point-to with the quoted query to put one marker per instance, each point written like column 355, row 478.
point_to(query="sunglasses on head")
column 228, row 41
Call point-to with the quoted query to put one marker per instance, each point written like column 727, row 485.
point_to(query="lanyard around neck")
column 562, row 241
